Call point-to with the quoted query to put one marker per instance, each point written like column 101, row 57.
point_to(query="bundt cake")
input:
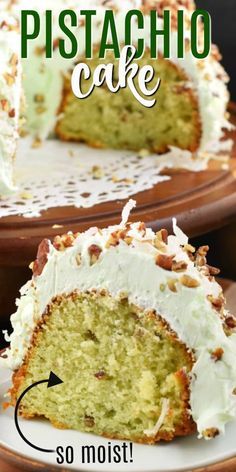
column 190, row 112
column 135, row 326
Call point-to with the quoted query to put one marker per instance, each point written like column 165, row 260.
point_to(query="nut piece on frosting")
column 189, row 282
column 42, row 257
column 230, row 322
column 172, row 285
column 210, row 433
column 62, row 242
column 165, row 262
column 94, row 252
column 180, row 266
column 217, row 354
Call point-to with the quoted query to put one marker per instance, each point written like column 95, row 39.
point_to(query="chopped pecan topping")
column 94, row 253
column 162, row 287
column 165, row 262
column 39, row 98
column 116, row 236
column 189, row 282
column 8, row 26
column 3, row 24
column 172, row 285
column 128, row 240
column 56, row 43
column 142, row 228
column 217, row 303
column 40, row 110
column 230, row 321
column 113, row 240
column 10, row 79
column 210, row 433
column 4, row 104
column 162, row 236
column 101, row 375
column 161, row 240
column 39, row 50
column 217, row 354
column 203, row 250
column 189, row 248
column 42, row 257
column 213, row 270
column 158, row 244
column 78, row 259
column 180, row 266
column 12, row 113
column 62, row 242
column 14, row 60
column 172, row 5
column 200, row 260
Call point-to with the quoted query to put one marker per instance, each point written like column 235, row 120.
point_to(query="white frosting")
column 45, row 76
column 132, row 269
column 9, row 100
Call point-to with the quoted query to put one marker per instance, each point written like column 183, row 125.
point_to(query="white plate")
column 180, row 455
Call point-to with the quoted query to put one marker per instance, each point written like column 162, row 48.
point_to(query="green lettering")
column 48, row 34
column 128, row 31
column 74, row 46
column 180, row 34
column 88, row 32
column 165, row 33
column 25, row 36
column 109, row 25
column 206, row 36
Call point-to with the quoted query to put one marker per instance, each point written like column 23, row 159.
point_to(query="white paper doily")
column 58, row 174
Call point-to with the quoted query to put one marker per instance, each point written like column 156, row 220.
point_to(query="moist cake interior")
column 119, row 364
column 118, row 120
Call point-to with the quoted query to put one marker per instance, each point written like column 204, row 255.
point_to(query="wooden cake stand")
column 202, row 202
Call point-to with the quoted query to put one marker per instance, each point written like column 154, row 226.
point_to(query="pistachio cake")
column 134, row 324
column 190, row 112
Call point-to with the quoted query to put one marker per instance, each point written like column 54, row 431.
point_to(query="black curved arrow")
column 52, row 382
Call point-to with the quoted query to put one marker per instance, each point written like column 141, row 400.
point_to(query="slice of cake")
column 190, row 112
column 135, row 325
column 119, row 121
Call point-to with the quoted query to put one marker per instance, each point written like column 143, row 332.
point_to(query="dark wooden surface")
column 201, row 201
column 227, row 466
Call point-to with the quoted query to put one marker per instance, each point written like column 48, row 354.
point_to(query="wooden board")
column 227, row 466
column 201, row 201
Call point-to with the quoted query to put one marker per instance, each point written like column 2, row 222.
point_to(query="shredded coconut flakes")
column 160, row 421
